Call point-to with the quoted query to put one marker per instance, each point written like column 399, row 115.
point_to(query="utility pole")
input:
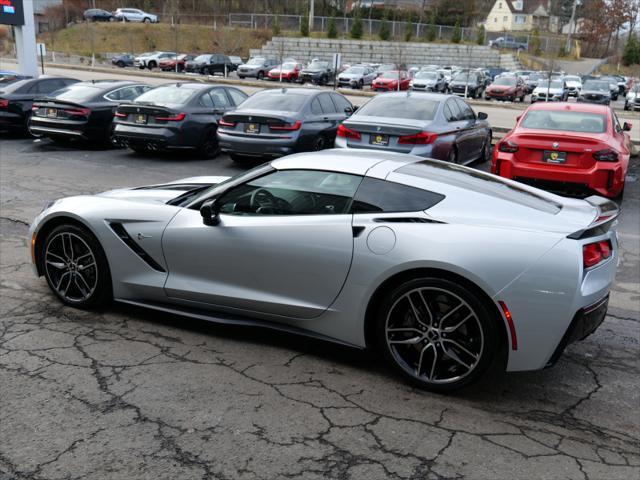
column 311, row 14
column 567, row 48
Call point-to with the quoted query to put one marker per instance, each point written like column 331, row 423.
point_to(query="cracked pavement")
column 130, row 394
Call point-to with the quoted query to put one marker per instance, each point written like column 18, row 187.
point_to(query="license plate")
column 252, row 128
column 52, row 112
column 141, row 118
column 554, row 157
column 380, row 140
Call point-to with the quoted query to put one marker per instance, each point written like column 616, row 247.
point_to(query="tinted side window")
column 206, row 101
column 448, row 114
column 378, row 196
column 465, row 110
column 237, row 96
column 326, row 103
column 455, row 111
column 219, row 98
column 316, row 109
column 341, row 102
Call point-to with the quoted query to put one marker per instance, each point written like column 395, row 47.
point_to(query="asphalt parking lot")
column 131, row 394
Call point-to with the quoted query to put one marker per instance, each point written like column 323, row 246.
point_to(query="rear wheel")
column 208, row 147
column 76, row 267
column 486, row 149
column 260, row 75
column 437, row 333
column 360, row 85
column 453, row 155
column 320, row 143
column 120, row 63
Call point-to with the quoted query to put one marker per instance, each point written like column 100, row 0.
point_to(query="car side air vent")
column 121, row 232
column 405, row 220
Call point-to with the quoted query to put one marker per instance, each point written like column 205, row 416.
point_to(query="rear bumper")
column 604, row 178
column 54, row 128
column 11, row 120
column 154, row 138
column 584, row 323
column 257, row 147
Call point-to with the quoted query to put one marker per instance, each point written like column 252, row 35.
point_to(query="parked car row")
column 574, row 147
column 120, row 15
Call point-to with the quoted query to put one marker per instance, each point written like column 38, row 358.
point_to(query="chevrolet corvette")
column 445, row 269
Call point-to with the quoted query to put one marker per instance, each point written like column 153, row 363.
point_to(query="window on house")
column 504, row 19
column 520, row 19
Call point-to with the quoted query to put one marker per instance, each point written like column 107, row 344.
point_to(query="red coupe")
column 388, row 81
column 571, row 148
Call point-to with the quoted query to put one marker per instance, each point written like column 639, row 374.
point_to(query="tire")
column 241, row 77
column 208, row 147
column 453, row 155
column 360, row 85
column 320, row 143
column 120, row 64
column 440, row 349
column 152, row 64
column 626, row 106
column 76, row 267
column 485, row 156
column 146, row 20
column 260, row 75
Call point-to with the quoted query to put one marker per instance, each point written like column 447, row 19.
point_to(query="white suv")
column 134, row 15
column 152, row 59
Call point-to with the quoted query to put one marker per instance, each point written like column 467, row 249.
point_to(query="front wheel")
column 152, row 65
column 437, row 333
column 147, row 20
column 120, row 64
column 76, row 267
column 260, row 75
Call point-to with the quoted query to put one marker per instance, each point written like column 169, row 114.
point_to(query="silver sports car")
column 444, row 268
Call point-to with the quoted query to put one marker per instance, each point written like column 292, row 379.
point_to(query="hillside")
column 85, row 38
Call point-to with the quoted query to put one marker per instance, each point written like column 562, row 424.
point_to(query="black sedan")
column 82, row 111
column 16, row 99
column 317, row 72
column 273, row 123
column 176, row 116
column 98, row 15
column 428, row 125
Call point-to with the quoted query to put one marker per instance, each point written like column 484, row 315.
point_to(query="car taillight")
column 345, row 132
column 422, row 138
column 79, row 111
column 287, row 127
column 121, row 115
column 226, row 123
column 594, row 253
column 606, row 155
column 176, row 118
column 508, row 146
column 4, row 103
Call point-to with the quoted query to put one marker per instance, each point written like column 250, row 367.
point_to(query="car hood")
column 162, row 193
column 550, row 90
column 249, row 67
column 573, row 84
column 422, row 81
column 313, row 70
column 500, row 87
column 350, row 76
column 594, row 92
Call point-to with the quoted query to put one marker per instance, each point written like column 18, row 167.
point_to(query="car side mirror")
column 482, row 116
column 348, row 110
column 626, row 127
column 210, row 213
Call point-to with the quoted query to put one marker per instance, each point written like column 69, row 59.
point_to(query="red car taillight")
column 226, row 123
column 345, row 132
column 422, row 138
column 4, row 103
column 606, row 155
column 121, row 115
column 289, row 128
column 594, row 253
column 508, row 146
column 79, row 111
column 177, row 118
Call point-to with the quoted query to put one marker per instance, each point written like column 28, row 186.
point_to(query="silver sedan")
column 447, row 270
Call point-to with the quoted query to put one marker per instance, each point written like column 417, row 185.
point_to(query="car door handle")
column 325, row 118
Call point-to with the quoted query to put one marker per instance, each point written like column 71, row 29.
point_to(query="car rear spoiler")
column 608, row 211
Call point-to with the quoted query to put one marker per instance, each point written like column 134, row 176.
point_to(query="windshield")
column 390, row 74
column 396, row 107
column 270, row 100
column 289, row 66
column 76, row 93
column 598, row 86
column 168, row 94
column 572, row 79
column 355, row 71
column 546, row 84
column 508, row 81
column 256, row 61
column 318, row 65
column 384, row 68
column 462, row 77
column 202, row 58
column 565, row 120
column 537, row 76
column 427, row 75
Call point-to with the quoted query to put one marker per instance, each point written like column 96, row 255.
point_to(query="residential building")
column 521, row 16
